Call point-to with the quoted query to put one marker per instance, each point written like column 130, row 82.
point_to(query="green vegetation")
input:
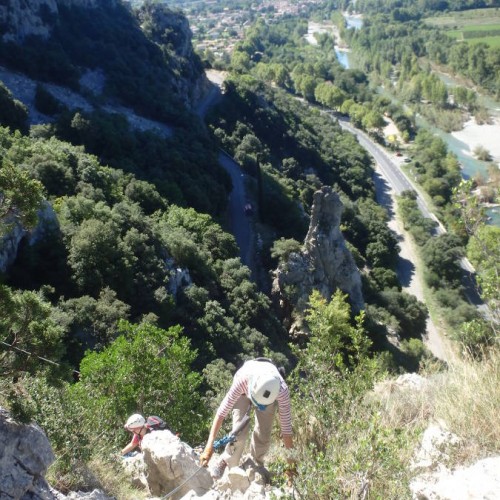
column 392, row 37
column 472, row 26
column 92, row 297
column 362, row 454
column 13, row 113
column 140, row 68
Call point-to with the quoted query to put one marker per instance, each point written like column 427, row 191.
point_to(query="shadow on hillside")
column 383, row 193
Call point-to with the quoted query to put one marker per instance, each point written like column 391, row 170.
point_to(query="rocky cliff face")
column 25, row 455
column 325, row 264
column 183, row 72
column 9, row 242
column 170, row 30
column 22, row 18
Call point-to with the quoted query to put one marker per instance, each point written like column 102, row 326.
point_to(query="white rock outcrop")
column 438, row 481
column 79, row 495
column 433, row 451
column 169, row 462
column 325, row 264
column 166, row 463
column 480, row 481
column 9, row 242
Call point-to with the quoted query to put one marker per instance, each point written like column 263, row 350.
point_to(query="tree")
column 20, row 197
column 13, row 113
column 441, row 256
column 282, row 248
column 329, row 95
column 483, row 251
column 95, row 255
column 28, row 325
column 373, row 120
column 336, row 344
column 411, row 314
column 145, row 370
column 240, row 61
column 95, row 322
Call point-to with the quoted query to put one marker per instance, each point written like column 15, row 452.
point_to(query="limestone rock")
column 171, row 29
column 325, row 264
column 93, row 495
column 169, row 463
column 235, row 480
column 136, row 468
column 9, row 243
column 433, row 449
column 25, row 455
column 480, row 481
column 179, row 277
column 406, row 382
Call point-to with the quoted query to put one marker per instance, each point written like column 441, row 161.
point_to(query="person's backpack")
column 281, row 369
column 156, row 423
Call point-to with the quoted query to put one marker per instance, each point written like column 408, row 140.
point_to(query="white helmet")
column 135, row 421
column 264, row 388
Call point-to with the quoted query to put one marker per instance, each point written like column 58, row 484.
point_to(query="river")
column 463, row 150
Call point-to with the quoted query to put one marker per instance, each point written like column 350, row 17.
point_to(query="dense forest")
column 129, row 284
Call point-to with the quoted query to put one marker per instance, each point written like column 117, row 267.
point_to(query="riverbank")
column 486, row 135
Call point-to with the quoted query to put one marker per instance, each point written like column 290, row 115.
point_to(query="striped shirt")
column 240, row 385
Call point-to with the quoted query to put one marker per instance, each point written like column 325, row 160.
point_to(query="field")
column 472, row 26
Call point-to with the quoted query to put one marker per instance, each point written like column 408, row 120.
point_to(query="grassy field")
column 492, row 41
column 474, row 17
column 472, row 26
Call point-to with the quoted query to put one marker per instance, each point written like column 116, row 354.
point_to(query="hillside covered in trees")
column 126, row 292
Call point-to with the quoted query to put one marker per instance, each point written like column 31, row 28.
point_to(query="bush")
column 152, row 376
column 344, row 448
column 282, row 249
column 476, row 337
column 13, row 113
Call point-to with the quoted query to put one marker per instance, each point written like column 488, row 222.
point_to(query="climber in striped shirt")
column 257, row 383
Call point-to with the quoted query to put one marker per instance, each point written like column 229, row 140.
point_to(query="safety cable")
column 18, row 349
column 175, row 490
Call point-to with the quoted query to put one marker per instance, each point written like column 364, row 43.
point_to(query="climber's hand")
column 206, row 456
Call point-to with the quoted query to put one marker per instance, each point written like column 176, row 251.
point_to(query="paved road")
column 399, row 183
column 397, row 179
column 239, row 224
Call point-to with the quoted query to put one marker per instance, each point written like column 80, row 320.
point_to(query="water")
column 353, row 21
column 342, row 57
column 470, row 165
column 488, row 102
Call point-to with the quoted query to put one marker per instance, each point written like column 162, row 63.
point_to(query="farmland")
column 472, row 26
